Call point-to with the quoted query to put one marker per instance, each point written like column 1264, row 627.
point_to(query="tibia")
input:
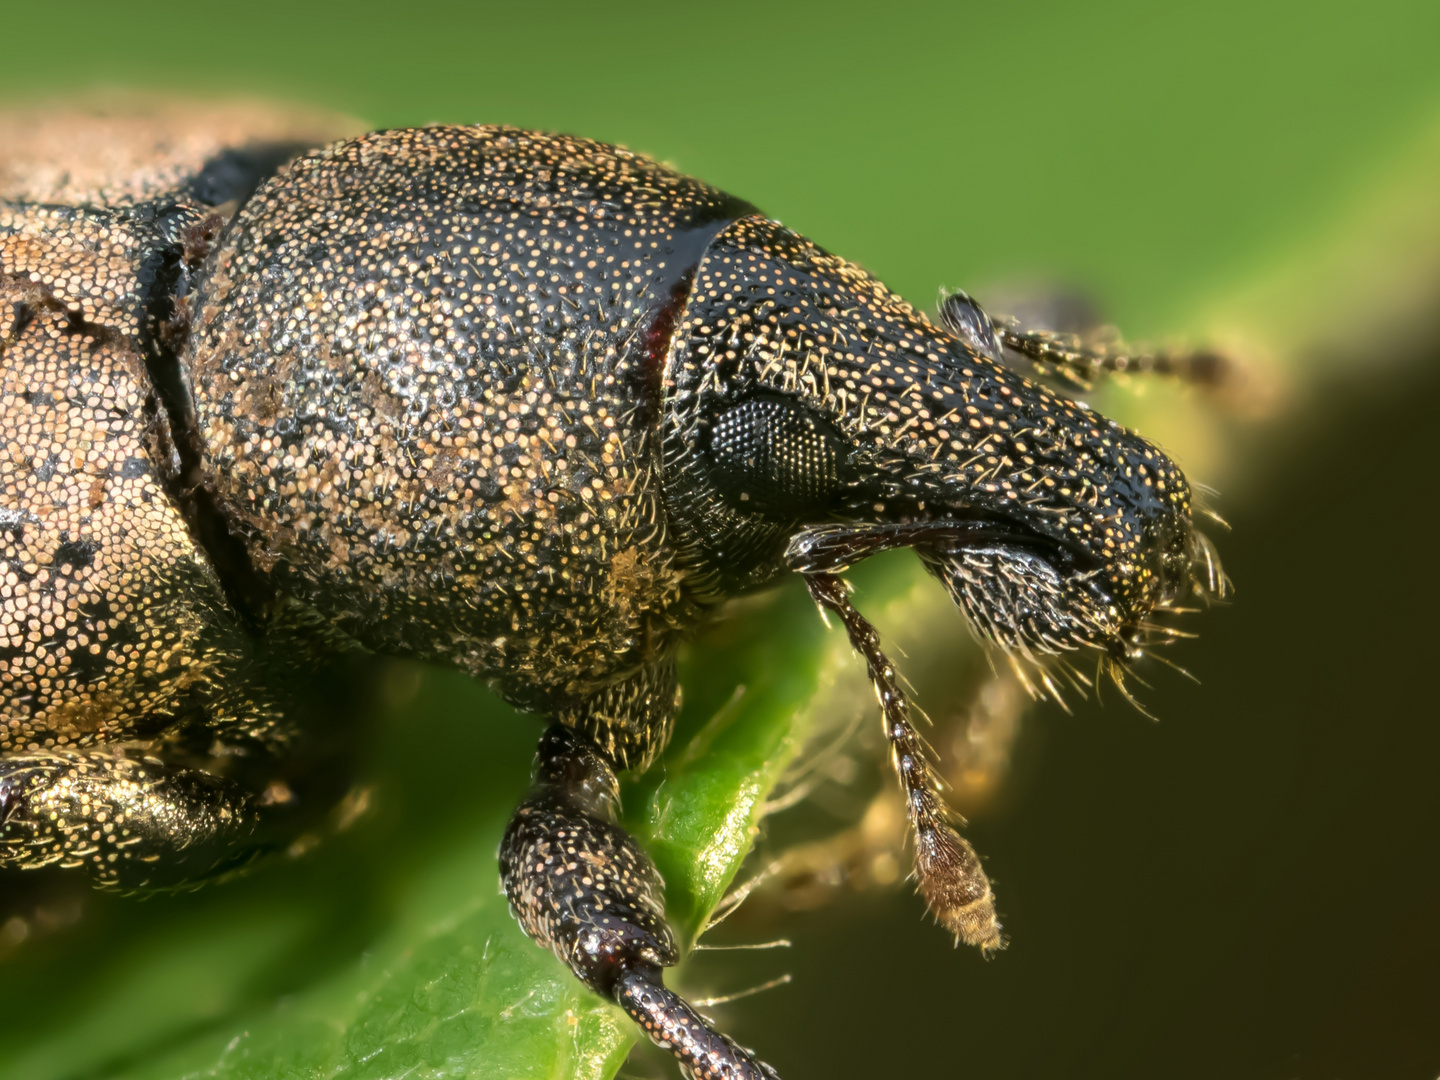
column 583, row 888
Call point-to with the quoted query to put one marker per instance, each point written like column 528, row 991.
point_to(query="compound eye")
column 770, row 453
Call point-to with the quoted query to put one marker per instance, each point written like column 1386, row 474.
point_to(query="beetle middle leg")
column 581, row 886
column 228, row 784
column 132, row 822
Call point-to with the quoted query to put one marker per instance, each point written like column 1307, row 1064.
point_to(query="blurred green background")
column 1249, row 888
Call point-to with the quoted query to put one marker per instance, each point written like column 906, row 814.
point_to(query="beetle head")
column 813, row 417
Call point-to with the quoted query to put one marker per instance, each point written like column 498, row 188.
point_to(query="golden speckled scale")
column 110, row 617
column 431, row 410
column 122, row 660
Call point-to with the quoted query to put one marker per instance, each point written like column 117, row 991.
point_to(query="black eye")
column 771, row 453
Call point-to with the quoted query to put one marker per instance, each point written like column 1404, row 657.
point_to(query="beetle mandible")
column 525, row 404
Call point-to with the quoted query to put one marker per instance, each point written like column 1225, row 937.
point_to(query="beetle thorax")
column 415, row 384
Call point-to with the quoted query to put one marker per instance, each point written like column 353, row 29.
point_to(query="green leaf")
column 393, row 953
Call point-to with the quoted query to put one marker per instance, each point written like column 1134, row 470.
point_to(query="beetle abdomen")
column 113, row 620
column 108, row 610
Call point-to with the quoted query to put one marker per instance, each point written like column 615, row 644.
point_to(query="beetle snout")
column 1080, row 529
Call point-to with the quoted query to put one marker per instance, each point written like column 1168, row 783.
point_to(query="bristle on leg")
column 956, row 889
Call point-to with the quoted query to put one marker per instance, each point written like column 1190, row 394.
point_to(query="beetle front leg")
column 582, row 887
column 947, row 869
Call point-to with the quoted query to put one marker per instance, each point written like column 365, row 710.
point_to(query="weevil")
column 528, row 405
